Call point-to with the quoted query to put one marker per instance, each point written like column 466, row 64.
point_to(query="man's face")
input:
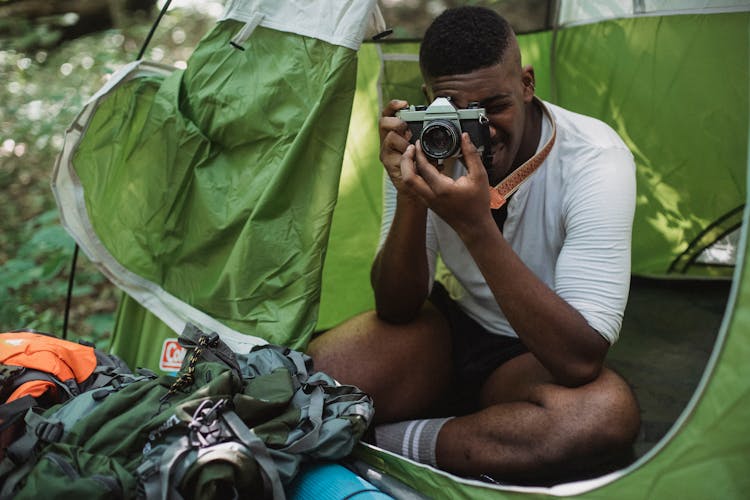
column 503, row 90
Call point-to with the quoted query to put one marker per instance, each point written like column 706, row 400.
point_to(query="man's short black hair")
column 462, row 40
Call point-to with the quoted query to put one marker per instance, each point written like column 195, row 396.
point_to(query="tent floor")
column 667, row 336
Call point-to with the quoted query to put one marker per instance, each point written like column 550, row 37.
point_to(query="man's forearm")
column 555, row 332
column 400, row 272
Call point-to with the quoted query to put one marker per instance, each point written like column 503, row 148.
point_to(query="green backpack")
column 228, row 425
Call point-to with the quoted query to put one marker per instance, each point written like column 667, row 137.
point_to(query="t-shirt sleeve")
column 389, row 210
column 592, row 272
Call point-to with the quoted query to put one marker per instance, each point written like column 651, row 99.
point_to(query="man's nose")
column 493, row 131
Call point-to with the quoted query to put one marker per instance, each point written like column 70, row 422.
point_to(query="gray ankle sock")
column 415, row 439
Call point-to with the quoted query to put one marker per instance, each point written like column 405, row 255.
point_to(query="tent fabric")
column 650, row 97
column 656, row 98
column 210, row 190
column 217, row 238
column 706, row 453
column 573, row 12
column 676, row 219
column 336, row 22
column 692, row 159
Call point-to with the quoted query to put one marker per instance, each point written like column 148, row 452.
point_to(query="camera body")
column 439, row 127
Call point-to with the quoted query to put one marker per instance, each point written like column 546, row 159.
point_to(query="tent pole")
column 554, row 19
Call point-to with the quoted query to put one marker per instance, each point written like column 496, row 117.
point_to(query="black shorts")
column 476, row 352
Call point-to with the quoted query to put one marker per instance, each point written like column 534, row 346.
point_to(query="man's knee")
column 403, row 367
column 617, row 409
column 600, row 419
column 366, row 341
column 352, row 352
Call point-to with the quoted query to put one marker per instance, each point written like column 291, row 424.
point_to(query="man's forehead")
column 484, row 83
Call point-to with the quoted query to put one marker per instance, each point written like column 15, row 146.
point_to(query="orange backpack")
column 39, row 370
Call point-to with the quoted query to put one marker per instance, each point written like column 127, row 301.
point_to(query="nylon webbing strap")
column 21, row 456
column 500, row 193
column 12, row 411
column 315, row 417
column 261, row 455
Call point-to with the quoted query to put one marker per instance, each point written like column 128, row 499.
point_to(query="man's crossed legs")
column 514, row 423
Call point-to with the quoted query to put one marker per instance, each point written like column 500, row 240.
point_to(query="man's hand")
column 394, row 139
column 461, row 202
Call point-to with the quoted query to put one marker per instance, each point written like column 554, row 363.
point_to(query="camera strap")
column 500, row 193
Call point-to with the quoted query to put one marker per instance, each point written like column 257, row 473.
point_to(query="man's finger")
column 428, row 171
column 392, row 124
column 472, row 160
column 393, row 107
column 396, row 142
column 411, row 178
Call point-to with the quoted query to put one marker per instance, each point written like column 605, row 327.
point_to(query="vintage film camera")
column 439, row 127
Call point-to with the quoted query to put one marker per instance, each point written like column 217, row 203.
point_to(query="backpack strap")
column 8, row 375
column 10, row 412
column 40, row 429
column 20, row 457
column 314, row 416
column 215, row 349
column 257, row 447
column 303, row 362
column 109, row 368
column 214, row 434
column 11, row 421
column 36, row 382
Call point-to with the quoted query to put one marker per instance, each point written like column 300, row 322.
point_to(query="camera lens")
column 440, row 139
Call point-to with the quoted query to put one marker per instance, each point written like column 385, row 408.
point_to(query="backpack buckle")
column 205, row 427
column 49, row 432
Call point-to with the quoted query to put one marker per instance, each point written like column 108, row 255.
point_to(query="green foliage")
column 41, row 91
column 33, row 282
column 26, row 35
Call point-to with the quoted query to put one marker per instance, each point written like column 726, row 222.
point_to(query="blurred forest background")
column 54, row 54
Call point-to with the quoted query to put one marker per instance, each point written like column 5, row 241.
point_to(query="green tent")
column 208, row 195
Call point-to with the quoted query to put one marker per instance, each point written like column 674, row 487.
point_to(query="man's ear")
column 529, row 82
column 427, row 93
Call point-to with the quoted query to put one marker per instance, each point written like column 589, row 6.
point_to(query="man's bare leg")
column 529, row 428
column 404, row 367
column 532, row 430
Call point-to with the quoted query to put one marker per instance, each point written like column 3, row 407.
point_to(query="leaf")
column 16, row 273
column 101, row 328
column 55, row 291
column 82, row 290
column 52, row 266
column 47, row 218
column 47, row 239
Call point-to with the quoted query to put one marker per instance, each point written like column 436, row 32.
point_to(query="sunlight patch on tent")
column 723, row 252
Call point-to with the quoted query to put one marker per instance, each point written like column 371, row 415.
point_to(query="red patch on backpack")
column 172, row 354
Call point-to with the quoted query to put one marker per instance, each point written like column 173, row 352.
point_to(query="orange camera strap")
column 500, row 193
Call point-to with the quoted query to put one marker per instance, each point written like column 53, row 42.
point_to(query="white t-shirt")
column 570, row 223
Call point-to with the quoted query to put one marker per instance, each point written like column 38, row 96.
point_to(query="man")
column 536, row 289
